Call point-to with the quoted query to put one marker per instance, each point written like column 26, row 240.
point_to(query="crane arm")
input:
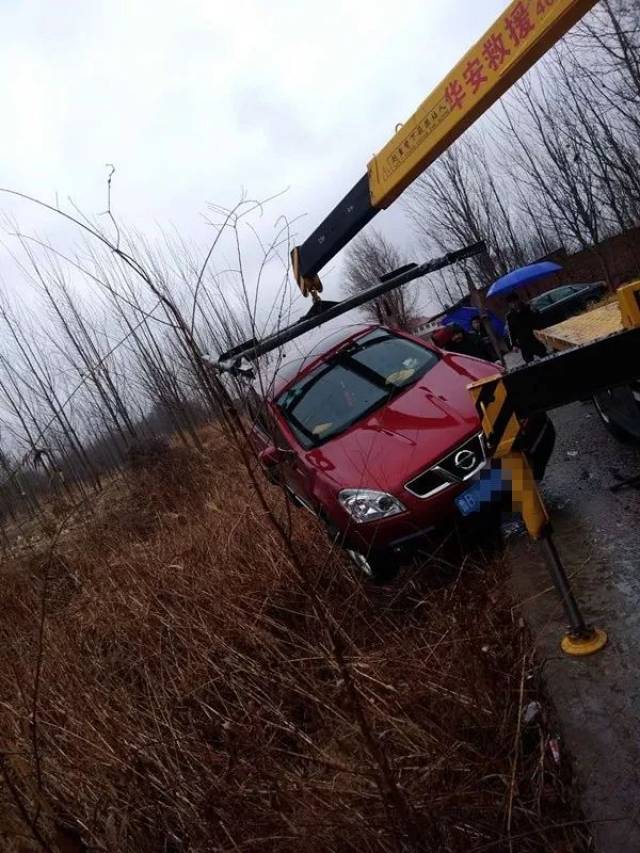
column 517, row 39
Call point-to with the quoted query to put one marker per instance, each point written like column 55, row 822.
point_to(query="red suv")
column 377, row 434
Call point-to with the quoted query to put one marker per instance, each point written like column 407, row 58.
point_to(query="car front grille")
column 456, row 467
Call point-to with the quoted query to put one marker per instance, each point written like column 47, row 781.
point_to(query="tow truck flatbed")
column 583, row 329
column 619, row 406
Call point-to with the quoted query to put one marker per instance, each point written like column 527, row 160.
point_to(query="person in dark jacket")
column 478, row 329
column 466, row 343
column 522, row 321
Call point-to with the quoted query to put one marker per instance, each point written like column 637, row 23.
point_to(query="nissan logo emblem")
column 465, row 460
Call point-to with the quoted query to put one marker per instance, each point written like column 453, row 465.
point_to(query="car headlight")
column 369, row 505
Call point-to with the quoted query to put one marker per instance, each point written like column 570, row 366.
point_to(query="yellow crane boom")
column 520, row 36
column 517, row 39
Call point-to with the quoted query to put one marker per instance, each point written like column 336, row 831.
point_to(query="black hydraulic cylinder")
column 578, row 627
column 346, row 220
column 253, row 349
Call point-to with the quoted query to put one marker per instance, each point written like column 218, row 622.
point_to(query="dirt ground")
column 597, row 698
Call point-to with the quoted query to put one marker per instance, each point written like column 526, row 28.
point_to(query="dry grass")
column 196, row 692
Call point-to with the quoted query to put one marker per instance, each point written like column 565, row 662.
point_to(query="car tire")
column 620, row 434
column 377, row 566
column 271, row 475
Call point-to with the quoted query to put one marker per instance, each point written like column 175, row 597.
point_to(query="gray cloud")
column 197, row 100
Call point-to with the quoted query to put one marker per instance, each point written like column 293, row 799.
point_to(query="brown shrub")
column 197, row 693
column 145, row 453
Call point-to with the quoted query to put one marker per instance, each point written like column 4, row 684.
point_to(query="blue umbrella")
column 522, row 276
column 463, row 316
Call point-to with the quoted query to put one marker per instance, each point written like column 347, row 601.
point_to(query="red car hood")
column 414, row 430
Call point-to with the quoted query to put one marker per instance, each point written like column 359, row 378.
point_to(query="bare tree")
column 369, row 257
column 557, row 167
column 463, row 198
column 123, row 358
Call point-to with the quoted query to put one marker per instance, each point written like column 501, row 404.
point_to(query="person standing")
column 522, row 321
column 487, row 347
column 464, row 343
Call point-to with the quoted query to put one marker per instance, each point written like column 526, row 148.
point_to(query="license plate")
column 482, row 492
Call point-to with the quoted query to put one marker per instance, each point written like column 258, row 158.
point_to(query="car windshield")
column 359, row 379
column 553, row 296
column 540, row 301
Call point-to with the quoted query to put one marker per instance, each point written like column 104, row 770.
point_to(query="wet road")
column 598, row 698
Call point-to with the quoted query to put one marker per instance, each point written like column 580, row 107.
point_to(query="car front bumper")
column 423, row 516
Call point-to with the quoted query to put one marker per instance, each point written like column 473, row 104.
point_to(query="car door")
column 260, row 421
column 589, row 294
column 542, row 306
column 560, row 306
column 292, row 471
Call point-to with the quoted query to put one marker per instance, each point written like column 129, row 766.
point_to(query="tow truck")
column 618, row 407
column 504, row 402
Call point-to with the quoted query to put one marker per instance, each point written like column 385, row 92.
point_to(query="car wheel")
column 601, row 402
column 378, row 567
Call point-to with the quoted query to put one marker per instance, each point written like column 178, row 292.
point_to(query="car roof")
column 291, row 368
column 567, row 284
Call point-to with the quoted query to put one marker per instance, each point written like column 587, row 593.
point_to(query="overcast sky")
column 196, row 101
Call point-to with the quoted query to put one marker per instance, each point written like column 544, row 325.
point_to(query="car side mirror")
column 270, row 456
